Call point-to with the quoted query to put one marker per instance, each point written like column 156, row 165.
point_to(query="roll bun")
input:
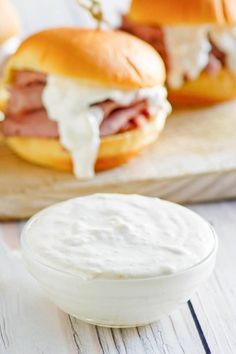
column 187, row 12
column 104, row 58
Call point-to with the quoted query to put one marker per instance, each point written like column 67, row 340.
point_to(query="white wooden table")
column 31, row 324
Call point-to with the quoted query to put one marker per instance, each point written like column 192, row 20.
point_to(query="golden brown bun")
column 104, row 58
column 9, row 21
column 183, row 11
column 114, row 150
column 206, row 89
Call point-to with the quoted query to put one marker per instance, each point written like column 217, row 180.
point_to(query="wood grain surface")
column 31, row 324
column 193, row 160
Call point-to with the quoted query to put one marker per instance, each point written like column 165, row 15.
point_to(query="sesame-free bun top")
column 104, row 58
column 9, row 21
column 173, row 12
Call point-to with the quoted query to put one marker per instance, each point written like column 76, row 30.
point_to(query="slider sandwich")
column 9, row 30
column 197, row 41
column 83, row 99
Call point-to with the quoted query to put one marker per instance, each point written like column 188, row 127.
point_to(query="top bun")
column 105, row 58
column 9, row 21
column 173, row 12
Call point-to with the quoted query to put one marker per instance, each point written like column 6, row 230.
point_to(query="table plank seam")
column 114, row 340
column 75, row 337
column 99, row 339
column 199, row 328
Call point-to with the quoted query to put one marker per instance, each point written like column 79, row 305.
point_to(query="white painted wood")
column 31, row 324
column 215, row 303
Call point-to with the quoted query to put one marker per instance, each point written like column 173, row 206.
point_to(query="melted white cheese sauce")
column 69, row 101
column 119, row 236
column 225, row 39
column 188, row 48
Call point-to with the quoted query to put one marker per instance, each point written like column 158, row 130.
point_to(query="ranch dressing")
column 114, row 236
column 188, row 48
column 69, row 101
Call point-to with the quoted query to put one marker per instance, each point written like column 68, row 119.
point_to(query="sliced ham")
column 136, row 122
column 108, row 106
column 217, row 53
column 214, row 65
column 26, row 115
column 121, row 117
column 37, row 124
column 25, row 99
column 26, row 78
column 34, row 124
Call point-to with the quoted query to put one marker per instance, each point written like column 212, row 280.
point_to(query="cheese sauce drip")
column 225, row 39
column 69, row 102
column 188, row 48
column 114, row 236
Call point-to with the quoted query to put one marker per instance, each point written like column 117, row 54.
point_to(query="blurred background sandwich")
column 197, row 41
column 9, row 30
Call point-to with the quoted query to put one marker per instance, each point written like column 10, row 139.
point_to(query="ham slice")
column 25, row 99
column 118, row 120
column 26, row 115
column 27, row 78
column 34, row 124
column 108, row 106
column 37, row 124
column 214, row 65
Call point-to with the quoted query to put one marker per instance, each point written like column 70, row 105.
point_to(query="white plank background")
column 31, row 324
column 39, row 14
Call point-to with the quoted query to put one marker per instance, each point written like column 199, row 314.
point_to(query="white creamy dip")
column 69, row 101
column 114, row 236
column 225, row 39
column 188, row 48
column 8, row 47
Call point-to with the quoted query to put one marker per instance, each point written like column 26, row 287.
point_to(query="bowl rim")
column 25, row 249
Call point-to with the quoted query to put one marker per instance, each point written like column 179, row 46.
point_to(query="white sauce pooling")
column 69, row 101
column 225, row 39
column 119, row 236
column 188, row 48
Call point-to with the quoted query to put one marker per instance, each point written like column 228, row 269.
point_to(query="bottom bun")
column 205, row 90
column 113, row 151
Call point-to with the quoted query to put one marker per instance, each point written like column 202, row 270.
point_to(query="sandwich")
column 197, row 41
column 9, row 30
column 82, row 99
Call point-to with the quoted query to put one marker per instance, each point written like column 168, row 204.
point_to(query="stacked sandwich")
column 83, row 99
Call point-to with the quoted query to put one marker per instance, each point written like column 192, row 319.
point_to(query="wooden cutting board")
column 194, row 160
